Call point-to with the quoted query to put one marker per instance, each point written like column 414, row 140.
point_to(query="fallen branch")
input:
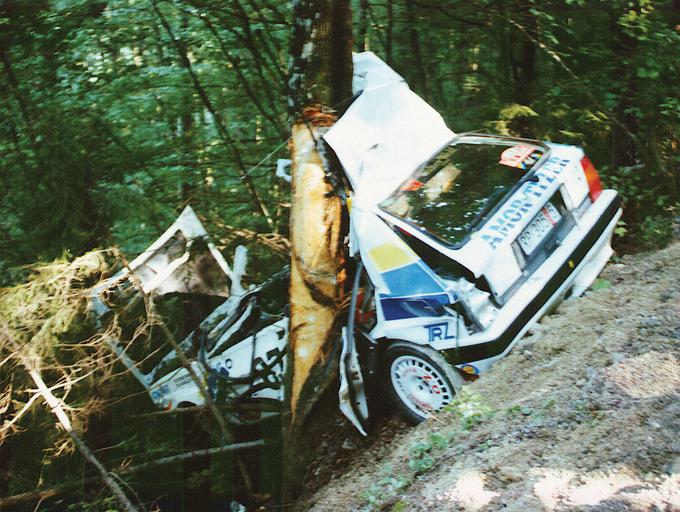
column 264, row 407
column 57, row 408
column 11, row 501
column 276, row 242
column 195, row 454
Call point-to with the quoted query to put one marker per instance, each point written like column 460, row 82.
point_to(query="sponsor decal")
column 182, row 380
column 158, row 393
column 522, row 156
column 438, row 332
column 512, row 213
column 223, row 368
column 470, row 368
column 411, row 185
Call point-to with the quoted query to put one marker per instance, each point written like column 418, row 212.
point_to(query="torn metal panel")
column 237, row 350
column 386, row 133
column 184, row 260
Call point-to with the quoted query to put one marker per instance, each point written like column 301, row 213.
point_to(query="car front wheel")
column 419, row 380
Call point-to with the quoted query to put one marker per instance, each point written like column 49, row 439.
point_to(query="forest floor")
column 582, row 415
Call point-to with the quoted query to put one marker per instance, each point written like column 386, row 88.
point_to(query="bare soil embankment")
column 582, row 415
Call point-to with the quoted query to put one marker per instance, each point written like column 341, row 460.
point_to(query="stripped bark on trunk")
column 320, row 78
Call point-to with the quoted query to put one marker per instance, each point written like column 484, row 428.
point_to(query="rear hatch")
column 504, row 194
column 460, row 188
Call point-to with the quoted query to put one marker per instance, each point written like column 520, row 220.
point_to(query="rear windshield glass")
column 451, row 194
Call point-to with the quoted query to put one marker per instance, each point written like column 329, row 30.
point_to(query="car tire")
column 419, row 380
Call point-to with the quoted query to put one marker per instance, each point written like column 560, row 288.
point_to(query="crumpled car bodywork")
column 237, row 352
column 467, row 239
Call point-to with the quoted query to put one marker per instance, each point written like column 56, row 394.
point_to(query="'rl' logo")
column 438, row 332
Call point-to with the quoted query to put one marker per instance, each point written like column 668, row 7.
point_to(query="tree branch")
column 57, row 408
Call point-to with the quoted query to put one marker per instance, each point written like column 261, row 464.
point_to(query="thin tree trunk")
column 57, row 408
column 18, row 97
column 265, row 44
column 13, row 501
column 272, row 82
column 236, row 66
column 389, row 29
column 522, row 59
column 362, row 29
column 196, row 379
column 259, row 205
column 421, row 78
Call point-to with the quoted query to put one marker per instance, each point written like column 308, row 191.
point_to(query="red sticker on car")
column 520, row 156
column 411, row 185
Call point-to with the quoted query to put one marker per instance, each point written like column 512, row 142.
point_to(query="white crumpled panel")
column 386, row 133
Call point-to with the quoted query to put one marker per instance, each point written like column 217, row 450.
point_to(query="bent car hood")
column 386, row 133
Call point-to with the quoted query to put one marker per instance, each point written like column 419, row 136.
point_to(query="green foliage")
column 656, row 231
column 469, row 408
column 108, row 504
column 423, row 450
column 106, row 136
column 601, row 284
column 466, row 412
column 388, row 485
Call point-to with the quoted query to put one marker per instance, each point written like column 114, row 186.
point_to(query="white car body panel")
column 381, row 140
column 251, row 365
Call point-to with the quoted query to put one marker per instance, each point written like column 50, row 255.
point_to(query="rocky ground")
column 582, row 415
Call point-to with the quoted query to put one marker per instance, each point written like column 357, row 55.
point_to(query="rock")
column 650, row 321
column 528, row 355
column 674, row 466
column 348, row 445
column 510, row 474
column 617, row 357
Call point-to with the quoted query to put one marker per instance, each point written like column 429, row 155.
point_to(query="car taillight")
column 592, row 177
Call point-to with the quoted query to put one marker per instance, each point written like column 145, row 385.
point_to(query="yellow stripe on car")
column 390, row 255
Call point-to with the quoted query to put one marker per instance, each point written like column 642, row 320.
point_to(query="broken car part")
column 236, row 349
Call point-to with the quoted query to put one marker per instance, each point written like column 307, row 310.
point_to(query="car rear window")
column 452, row 193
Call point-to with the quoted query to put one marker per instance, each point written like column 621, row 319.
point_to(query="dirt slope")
column 583, row 415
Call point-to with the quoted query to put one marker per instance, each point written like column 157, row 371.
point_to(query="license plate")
column 539, row 228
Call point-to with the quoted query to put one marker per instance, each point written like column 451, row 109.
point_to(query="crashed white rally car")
column 466, row 240
column 461, row 242
column 472, row 248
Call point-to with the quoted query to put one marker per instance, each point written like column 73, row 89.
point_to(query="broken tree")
column 321, row 78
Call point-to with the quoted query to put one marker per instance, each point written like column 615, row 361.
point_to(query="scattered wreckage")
column 461, row 243
column 236, row 353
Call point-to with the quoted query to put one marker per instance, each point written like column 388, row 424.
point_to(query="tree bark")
column 523, row 65
column 321, row 76
column 362, row 35
column 389, row 30
column 421, row 73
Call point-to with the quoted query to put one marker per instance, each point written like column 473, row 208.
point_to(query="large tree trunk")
column 321, row 75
